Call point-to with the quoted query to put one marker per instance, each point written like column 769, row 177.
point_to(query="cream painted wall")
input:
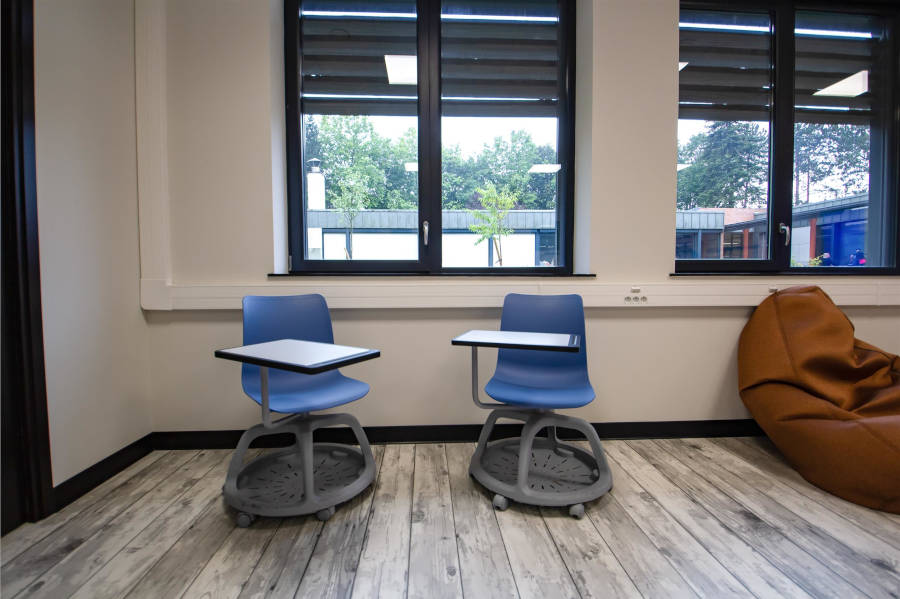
column 647, row 364
column 95, row 337
column 219, row 130
column 107, row 364
column 661, row 364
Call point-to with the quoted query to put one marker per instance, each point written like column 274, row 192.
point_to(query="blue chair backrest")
column 543, row 314
column 268, row 318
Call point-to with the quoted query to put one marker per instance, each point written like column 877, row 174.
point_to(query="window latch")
column 425, row 231
column 786, row 231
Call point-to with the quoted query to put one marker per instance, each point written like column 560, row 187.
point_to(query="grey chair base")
column 541, row 470
column 305, row 478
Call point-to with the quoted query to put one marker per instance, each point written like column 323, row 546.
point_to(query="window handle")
column 425, row 231
column 786, row 230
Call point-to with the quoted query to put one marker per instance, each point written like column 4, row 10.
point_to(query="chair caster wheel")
column 244, row 519
column 577, row 511
column 325, row 514
column 500, row 502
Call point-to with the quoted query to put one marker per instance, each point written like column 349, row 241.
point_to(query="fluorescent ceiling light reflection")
column 681, row 65
column 401, row 69
column 831, row 108
column 849, row 87
column 721, row 27
column 544, row 168
column 411, row 167
column 470, row 99
column 762, row 29
column 356, row 97
column 681, row 167
column 358, row 14
column 829, row 33
column 365, row 14
column 446, row 17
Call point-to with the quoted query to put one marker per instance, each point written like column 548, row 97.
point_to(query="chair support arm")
column 478, row 402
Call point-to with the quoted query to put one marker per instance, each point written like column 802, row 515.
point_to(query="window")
column 430, row 136
column 787, row 140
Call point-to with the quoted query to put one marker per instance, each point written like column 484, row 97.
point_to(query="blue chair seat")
column 546, row 380
column 292, row 393
column 572, row 396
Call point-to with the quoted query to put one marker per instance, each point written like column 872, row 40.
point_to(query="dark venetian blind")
column 497, row 58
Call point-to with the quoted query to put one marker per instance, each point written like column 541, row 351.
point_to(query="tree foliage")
column 728, row 167
column 350, row 145
column 352, row 192
column 728, row 164
column 496, row 204
column 832, row 158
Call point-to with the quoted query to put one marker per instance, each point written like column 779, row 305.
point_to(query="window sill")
column 380, row 292
column 498, row 273
column 839, row 271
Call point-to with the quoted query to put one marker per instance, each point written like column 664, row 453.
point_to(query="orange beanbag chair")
column 830, row 402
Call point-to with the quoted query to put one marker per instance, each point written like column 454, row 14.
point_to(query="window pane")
column 359, row 130
column 686, row 245
column 724, row 110
column 840, row 88
column 500, row 80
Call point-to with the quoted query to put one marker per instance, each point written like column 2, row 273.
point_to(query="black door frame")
column 24, row 385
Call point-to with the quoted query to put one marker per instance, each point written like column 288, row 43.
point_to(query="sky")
column 471, row 133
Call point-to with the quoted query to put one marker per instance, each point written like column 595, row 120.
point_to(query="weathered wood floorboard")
column 685, row 518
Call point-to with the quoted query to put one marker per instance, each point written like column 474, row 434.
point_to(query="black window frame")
column 782, row 14
column 429, row 119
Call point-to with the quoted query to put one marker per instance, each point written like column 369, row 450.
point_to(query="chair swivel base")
column 558, row 474
column 306, row 478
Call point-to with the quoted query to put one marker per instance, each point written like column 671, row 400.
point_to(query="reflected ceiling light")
column 357, row 14
column 854, row 85
column 681, row 65
column 512, row 18
column 411, row 167
column 401, row 69
column 864, row 35
column 681, row 167
column 544, row 168
column 723, row 27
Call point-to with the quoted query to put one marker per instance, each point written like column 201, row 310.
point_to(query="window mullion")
column 294, row 178
column 782, row 137
column 429, row 63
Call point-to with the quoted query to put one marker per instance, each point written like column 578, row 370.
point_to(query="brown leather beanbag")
column 830, row 402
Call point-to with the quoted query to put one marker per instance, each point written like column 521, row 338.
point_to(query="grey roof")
column 803, row 212
column 688, row 219
column 408, row 219
column 820, row 207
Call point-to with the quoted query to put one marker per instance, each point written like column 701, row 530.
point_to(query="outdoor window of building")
column 787, row 135
column 429, row 136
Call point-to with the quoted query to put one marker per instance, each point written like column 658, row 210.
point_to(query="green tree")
column 311, row 146
column 832, row 157
column 350, row 199
column 810, row 158
column 497, row 205
column 345, row 143
column 458, row 181
column 401, row 186
column 506, row 163
column 728, row 167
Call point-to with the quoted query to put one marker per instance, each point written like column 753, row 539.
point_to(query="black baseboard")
column 461, row 433
column 81, row 483
column 73, row 488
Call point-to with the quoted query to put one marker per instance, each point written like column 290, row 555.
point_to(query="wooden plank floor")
column 686, row 518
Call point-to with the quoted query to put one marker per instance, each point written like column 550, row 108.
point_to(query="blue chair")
column 530, row 384
column 307, row 477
